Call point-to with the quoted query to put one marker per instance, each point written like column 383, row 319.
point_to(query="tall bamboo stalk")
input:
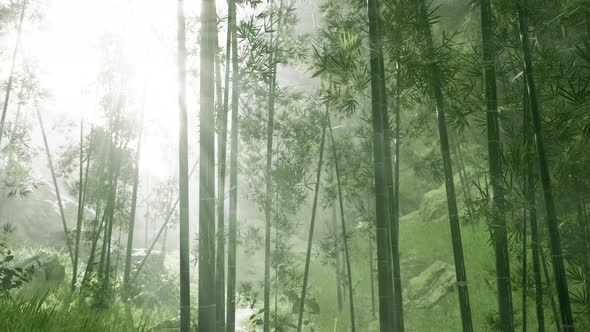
column 343, row 226
column 371, row 274
column 554, row 310
column 80, row 205
column 384, row 266
column 552, row 222
column 436, row 86
column 233, row 179
column 12, row 65
column 111, row 215
column 495, row 156
column 183, row 177
column 585, row 232
column 207, row 299
column 269, row 139
column 524, row 270
column 536, row 246
column 529, row 193
column 131, row 230
column 222, row 160
column 161, row 230
column 118, row 255
column 394, row 193
column 334, row 227
column 97, row 230
column 311, row 228
column 55, row 184
column 85, row 187
column 398, row 312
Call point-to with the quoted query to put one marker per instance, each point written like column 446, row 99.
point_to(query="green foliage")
column 11, row 278
column 56, row 311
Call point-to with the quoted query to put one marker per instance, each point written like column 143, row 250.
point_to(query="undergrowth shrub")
column 58, row 310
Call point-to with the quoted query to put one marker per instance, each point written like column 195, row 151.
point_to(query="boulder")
column 47, row 272
column 431, row 285
column 434, row 205
column 46, row 267
column 37, row 217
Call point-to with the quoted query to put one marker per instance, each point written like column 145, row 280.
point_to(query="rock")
column 154, row 263
column 411, row 217
column 434, row 205
column 431, row 285
column 46, row 267
column 47, row 273
column 37, row 216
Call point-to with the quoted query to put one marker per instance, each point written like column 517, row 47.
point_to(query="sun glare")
column 68, row 46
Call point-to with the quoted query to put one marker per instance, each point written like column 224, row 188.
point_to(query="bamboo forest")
column 295, row 165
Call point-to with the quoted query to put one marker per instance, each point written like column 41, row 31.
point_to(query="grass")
column 57, row 310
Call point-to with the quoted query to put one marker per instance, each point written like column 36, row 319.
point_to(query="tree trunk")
column 117, row 156
column 393, row 192
column 130, row 231
column 106, row 217
column 111, row 219
column 80, row 206
column 398, row 312
column 343, row 226
column 233, row 179
column 269, row 139
column 206, row 261
column 463, row 169
column 371, row 273
column 524, row 271
column 467, row 198
column 118, row 255
column 97, row 230
column 529, row 192
column 556, row 320
column 55, row 185
column 584, row 231
column 334, row 227
column 384, row 266
column 495, row 156
column 312, row 226
column 436, row 86
column 183, row 177
column 12, row 65
column 85, row 187
column 222, row 159
column 161, row 231
column 536, row 245
column 146, row 216
column 552, row 222
column 164, row 240
column 277, row 239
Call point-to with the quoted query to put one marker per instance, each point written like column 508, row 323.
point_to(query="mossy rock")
column 433, row 207
column 425, row 290
column 47, row 273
